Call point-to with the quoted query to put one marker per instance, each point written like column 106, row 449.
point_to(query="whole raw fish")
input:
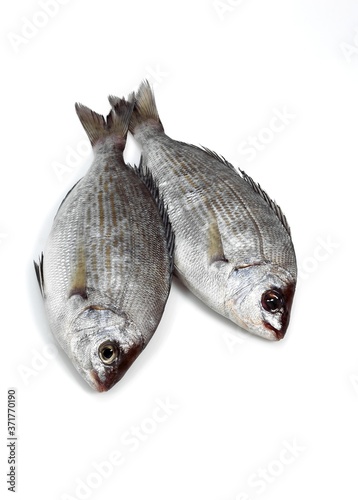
column 105, row 273
column 233, row 247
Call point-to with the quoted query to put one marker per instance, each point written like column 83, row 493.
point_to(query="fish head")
column 103, row 346
column 259, row 299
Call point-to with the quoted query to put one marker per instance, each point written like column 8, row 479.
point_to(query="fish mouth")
column 279, row 334
column 111, row 379
column 96, row 383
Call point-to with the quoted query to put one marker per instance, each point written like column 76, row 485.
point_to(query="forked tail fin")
column 117, row 122
column 145, row 108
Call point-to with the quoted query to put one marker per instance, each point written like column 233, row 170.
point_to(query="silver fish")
column 233, row 245
column 105, row 273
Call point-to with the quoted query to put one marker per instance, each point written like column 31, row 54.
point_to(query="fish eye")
column 272, row 300
column 108, row 352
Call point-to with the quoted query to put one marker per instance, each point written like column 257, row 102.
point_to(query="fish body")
column 105, row 272
column 233, row 245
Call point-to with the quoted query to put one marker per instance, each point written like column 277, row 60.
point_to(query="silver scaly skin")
column 105, row 273
column 233, row 247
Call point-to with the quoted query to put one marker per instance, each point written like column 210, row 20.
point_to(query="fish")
column 233, row 247
column 106, row 269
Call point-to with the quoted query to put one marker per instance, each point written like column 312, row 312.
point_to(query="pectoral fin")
column 215, row 246
column 40, row 275
column 78, row 284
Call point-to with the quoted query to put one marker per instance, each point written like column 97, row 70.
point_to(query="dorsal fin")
column 271, row 203
column 255, row 186
column 218, row 157
column 150, row 183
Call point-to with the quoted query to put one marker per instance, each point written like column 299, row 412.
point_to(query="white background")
column 220, row 70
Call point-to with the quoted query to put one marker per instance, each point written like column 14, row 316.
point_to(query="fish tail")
column 117, row 122
column 145, row 108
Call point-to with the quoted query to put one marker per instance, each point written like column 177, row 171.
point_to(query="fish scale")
column 106, row 268
column 226, row 195
column 233, row 245
column 126, row 260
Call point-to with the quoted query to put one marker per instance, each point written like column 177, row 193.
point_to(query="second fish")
column 233, row 246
